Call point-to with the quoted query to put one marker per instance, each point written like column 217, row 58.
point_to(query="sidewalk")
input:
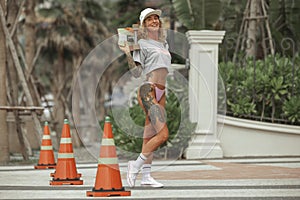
column 269, row 178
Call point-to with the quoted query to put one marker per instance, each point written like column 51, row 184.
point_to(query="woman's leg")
column 155, row 120
column 147, row 179
column 149, row 132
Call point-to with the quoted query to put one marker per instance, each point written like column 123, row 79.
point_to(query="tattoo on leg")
column 147, row 98
column 156, row 113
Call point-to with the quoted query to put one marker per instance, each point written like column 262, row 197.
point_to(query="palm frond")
column 197, row 14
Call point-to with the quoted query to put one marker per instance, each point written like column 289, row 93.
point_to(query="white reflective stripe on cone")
column 46, row 137
column 108, row 161
column 65, row 155
column 46, row 148
column 65, row 140
column 108, row 142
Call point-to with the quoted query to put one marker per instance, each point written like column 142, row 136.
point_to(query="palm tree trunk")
column 30, row 48
column 12, row 20
column 4, row 142
column 30, row 32
column 252, row 30
column 57, row 89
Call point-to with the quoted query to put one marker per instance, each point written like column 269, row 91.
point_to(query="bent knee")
column 164, row 135
column 164, row 138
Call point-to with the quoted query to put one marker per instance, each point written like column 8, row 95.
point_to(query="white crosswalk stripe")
column 23, row 182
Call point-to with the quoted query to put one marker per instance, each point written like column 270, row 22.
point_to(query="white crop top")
column 152, row 55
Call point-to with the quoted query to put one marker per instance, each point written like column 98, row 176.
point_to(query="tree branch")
column 12, row 32
column 20, row 74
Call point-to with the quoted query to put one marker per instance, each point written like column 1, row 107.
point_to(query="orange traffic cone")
column 66, row 172
column 46, row 160
column 108, row 179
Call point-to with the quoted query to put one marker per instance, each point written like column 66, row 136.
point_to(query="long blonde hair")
column 143, row 32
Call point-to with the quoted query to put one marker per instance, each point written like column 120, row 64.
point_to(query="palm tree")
column 285, row 23
column 195, row 14
column 282, row 16
column 4, row 144
column 69, row 30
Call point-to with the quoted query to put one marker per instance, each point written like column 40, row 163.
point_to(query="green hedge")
column 265, row 90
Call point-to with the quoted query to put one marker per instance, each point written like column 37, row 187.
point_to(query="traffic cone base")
column 78, row 175
column 41, row 166
column 66, row 182
column 107, row 193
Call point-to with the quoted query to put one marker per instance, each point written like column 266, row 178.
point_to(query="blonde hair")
column 143, row 32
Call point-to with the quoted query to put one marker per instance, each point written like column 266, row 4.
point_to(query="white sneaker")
column 132, row 173
column 151, row 182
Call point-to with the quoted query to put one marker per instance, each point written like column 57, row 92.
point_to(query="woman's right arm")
column 134, row 67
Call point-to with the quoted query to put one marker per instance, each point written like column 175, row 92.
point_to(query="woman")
column 153, row 60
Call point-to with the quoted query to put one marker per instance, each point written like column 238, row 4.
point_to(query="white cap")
column 147, row 12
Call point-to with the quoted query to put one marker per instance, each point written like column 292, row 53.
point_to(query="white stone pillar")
column 203, row 93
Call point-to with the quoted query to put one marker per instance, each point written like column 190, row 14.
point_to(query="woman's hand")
column 125, row 48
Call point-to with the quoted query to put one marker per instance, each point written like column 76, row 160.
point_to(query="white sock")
column 146, row 170
column 140, row 161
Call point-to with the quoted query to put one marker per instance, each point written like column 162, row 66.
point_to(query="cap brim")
column 154, row 12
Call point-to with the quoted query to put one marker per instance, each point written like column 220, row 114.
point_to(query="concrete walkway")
column 270, row 178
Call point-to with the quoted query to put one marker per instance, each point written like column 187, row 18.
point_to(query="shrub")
column 265, row 90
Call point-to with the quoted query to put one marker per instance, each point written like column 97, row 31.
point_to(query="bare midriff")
column 158, row 76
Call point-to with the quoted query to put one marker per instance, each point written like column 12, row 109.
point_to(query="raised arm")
column 134, row 67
